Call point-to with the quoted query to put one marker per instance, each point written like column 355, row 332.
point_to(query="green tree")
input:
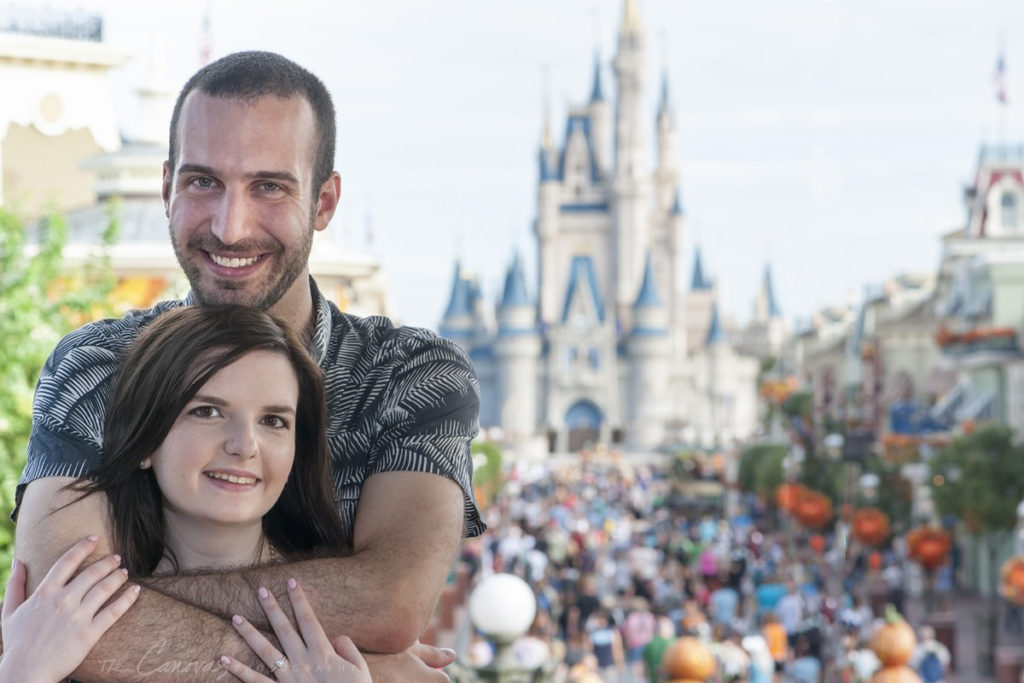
column 40, row 301
column 760, row 470
column 486, row 475
column 980, row 479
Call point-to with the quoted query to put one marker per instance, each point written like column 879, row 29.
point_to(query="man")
column 247, row 182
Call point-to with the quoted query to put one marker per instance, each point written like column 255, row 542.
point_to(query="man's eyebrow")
column 274, row 175
column 196, row 168
column 199, row 169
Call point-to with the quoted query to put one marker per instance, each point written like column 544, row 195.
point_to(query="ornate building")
column 611, row 351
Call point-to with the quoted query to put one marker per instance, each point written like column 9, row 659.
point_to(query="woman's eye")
column 204, row 411
column 275, row 421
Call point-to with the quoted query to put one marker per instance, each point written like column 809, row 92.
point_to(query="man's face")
column 241, row 204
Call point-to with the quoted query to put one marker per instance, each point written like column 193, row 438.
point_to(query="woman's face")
column 228, row 454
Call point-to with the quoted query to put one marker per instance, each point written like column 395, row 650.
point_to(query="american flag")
column 1001, row 87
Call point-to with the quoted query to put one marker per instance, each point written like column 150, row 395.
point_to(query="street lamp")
column 502, row 608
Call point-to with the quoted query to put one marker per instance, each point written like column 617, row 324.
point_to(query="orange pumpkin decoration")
column 1011, row 580
column 817, row 543
column 788, row 495
column 688, row 659
column 813, row 510
column 870, row 526
column 893, row 642
column 929, row 546
column 875, row 561
column 896, row 674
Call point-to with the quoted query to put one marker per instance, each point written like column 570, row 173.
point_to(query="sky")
column 831, row 138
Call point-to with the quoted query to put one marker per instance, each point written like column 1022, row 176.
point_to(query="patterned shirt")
column 398, row 399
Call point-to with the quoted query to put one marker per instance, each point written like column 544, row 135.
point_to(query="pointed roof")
column 631, row 17
column 699, row 282
column 514, row 292
column 664, row 105
column 677, row 204
column 459, row 302
column 581, row 274
column 596, row 95
column 716, row 333
column 769, row 290
column 648, row 297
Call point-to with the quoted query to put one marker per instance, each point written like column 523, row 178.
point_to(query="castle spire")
column 664, row 105
column 631, row 18
column 514, row 291
column 596, row 94
column 716, row 333
column 699, row 281
column 649, row 296
column 769, row 291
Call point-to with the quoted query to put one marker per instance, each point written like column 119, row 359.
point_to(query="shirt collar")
column 323, row 321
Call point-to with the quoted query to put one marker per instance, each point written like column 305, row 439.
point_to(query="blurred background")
column 699, row 253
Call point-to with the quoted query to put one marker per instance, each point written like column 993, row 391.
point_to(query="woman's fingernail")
column 117, row 558
column 224, row 661
column 263, row 593
column 14, row 563
column 292, row 585
column 447, row 652
column 93, row 538
column 236, row 620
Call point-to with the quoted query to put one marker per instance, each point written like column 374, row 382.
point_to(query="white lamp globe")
column 502, row 606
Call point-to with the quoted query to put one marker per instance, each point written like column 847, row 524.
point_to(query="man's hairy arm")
column 157, row 633
column 407, row 532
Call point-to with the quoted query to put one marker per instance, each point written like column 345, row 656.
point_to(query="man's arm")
column 160, row 634
column 156, row 632
column 407, row 533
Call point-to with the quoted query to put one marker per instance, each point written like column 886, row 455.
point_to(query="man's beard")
column 287, row 268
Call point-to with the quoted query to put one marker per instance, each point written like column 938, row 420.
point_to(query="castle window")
column 594, row 358
column 1010, row 205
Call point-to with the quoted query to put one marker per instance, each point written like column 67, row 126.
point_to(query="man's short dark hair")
column 250, row 75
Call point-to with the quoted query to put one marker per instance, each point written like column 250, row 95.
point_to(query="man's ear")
column 165, row 189
column 327, row 201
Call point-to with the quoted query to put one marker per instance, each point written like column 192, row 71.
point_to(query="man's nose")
column 231, row 220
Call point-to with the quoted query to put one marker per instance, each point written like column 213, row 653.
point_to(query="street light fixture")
column 502, row 607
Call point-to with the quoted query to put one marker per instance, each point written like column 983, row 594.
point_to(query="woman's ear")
column 146, row 464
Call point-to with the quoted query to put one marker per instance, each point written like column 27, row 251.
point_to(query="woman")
column 215, row 456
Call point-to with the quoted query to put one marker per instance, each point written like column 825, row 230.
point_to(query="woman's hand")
column 46, row 636
column 308, row 655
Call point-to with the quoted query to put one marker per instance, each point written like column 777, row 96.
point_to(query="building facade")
column 611, row 350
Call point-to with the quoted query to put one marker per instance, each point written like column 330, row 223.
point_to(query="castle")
column 611, row 351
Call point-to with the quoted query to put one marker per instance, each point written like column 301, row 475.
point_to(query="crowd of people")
column 623, row 562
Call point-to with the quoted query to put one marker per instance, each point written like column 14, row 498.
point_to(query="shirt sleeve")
column 68, row 411
column 428, row 418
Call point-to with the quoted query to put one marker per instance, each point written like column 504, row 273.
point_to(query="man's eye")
column 270, row 187
column 202, row 182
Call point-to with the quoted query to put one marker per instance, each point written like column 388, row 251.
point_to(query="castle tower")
column 699, row 305
column 649, row 350
column 666, row 174
column 630, row 201
column 458, row 321
column 600, row 121
column 517, row 355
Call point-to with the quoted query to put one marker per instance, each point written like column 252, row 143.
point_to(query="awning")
column 899, row 388
column 947, row 406
column 980, row 406
column 940, row 382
